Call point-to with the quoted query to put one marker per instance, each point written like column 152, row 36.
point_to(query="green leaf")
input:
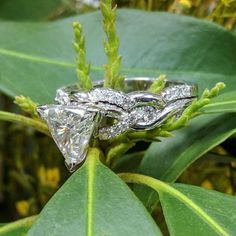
column 128, row 163
column 30, row 10
column 191, row 210
column 94, row 201
column 225, row 102
column 168, row 159
column 17, row 228
column 195, row 211
column 42, row 58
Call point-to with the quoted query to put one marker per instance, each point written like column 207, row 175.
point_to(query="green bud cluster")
column 83, row 68
column 27, row 105
column 113, row 78
column 158, row 84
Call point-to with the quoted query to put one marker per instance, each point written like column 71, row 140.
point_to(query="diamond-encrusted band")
column 104, row 113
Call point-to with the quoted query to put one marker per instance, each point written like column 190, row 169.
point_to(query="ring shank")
column 138, row 84
column 79, row 116
column 144, row 83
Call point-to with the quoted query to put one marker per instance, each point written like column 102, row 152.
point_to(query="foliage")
column 94, row 200
column 83, row 68
column 112, row 77
column 221, row 11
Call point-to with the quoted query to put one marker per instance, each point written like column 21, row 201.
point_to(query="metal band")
column 131, row 84
column 79, row 116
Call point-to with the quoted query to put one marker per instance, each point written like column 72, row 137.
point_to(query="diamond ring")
column 77, row 117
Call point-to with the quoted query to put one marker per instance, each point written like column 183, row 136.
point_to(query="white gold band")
column 79, row 116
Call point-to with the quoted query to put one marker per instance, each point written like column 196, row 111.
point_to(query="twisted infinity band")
column 77, row 117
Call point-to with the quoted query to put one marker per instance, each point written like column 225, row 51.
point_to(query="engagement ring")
column 77, row 117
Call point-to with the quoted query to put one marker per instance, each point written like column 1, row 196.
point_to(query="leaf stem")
column 118, row 150
column 36, row 124
column 26, row 222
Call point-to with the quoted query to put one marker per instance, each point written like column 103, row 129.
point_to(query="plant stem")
column 117, row 151
column 36, row 124
column 155, row 184
column 26, row 222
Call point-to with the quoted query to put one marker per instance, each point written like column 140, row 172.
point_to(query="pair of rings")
column 77, row 117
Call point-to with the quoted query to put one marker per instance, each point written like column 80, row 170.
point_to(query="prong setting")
column 78, row 117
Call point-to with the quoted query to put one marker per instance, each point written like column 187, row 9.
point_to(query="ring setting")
column 77, row 117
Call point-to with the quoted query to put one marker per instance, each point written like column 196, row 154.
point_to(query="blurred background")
column 31, row 167
column 220, row 11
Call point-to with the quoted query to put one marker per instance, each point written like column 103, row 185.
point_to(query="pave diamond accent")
column 177, row 92
column 108, row 96
column 140, row 117
column 79, row 116
column 62, row 97
column 143, row 117
column 72, row 128
column 120, row 127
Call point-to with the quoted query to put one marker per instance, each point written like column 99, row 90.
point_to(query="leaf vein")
column 91, row 168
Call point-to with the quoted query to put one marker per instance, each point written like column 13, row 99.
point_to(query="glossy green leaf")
column 94, row 201
column 225, row 102
column 195, row 211
column 168, row 159
column 17, row 228
column 184, row 48
column 191, row 210
column 30, row 10
column 128, row 163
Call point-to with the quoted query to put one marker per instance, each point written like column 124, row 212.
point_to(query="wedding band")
column 78, row 116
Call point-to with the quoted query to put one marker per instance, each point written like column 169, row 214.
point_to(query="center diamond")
column 71, row 128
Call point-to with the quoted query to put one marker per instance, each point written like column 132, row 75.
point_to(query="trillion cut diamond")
column 71, row 128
